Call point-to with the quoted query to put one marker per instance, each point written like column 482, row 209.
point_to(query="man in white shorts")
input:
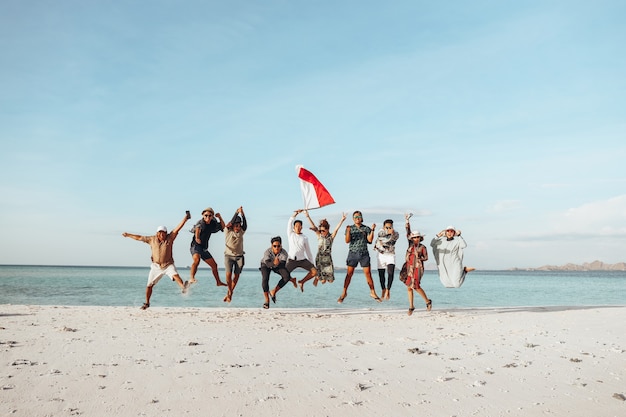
column 161, row 245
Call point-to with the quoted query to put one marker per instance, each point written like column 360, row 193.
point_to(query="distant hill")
column 587, row 266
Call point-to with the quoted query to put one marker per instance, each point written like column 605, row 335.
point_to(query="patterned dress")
column 415, row 265
column 324, row 258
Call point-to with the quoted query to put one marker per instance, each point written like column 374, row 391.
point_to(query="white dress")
column 449, row 257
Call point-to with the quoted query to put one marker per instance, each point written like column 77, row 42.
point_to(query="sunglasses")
column 207, row 215
column 358, row 217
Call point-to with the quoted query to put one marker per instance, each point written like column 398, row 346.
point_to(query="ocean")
column 125, row 286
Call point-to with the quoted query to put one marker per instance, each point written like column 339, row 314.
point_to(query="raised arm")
column 343, row 219
column 370, row 236
column 221, row 219
column 181, row 224
column 313, row 226
column 244, row 223
column 407, row 225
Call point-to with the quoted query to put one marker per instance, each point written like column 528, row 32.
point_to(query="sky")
column 506, row 120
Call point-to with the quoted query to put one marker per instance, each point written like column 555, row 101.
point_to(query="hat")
column 162, row 229
column 209, row 209
column 450, row 228
column 416, row 234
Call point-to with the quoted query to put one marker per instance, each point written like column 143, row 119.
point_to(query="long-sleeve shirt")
column 269, row 256
column 234, row 240
column 298, row 243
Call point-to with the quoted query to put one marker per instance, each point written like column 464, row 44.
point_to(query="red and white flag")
column 314, row 194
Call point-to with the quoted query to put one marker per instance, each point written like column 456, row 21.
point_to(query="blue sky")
column 505, row 119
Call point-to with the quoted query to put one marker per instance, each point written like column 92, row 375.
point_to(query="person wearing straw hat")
column 413, row 268
column 161, row 245
column 448, row 248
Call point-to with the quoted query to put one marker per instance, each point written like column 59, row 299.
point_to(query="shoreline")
column 91, row 360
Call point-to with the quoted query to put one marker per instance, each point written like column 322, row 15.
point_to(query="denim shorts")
column 355, row 258
column 204, row 254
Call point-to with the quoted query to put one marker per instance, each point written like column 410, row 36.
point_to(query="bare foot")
column 343, row 297
column 375, row 297
column 315, row 280
column 469, row 269
column 193, row 281
column 301, row 285
column 220, row 284
column 294, row 282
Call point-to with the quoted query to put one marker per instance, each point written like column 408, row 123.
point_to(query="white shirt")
column 298, row 243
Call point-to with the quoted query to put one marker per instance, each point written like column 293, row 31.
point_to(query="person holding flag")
column 324, row 257
column 299, row 249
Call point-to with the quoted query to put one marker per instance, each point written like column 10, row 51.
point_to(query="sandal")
column 273, row 297
column 266, row 305
column 340, row 300
column 145, row 305
column 411, row 310
column 429, row 305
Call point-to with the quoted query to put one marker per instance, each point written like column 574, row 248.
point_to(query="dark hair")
column 297, row 221
column 357, row 212
column 324, row 223
column 277, row 239
column 388, row 221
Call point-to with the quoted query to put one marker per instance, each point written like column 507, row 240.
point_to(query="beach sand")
column 99, row 361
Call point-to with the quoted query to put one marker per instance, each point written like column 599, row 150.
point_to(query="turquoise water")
column 125, row 286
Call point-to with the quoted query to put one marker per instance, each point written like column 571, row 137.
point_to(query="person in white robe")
column 448, row 248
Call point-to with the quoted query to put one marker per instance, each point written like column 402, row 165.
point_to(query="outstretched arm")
column 313, row 227
column 343, row 218
column 181, row 224
column 132, row 236
column 407, row 225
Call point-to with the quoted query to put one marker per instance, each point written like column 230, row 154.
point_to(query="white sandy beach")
column 101, row 361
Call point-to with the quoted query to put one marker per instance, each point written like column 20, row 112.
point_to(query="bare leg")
column 411, row 306
column 181, row 284
column 211, row 262
column 194, row 267
column 148, row 295
column 346, row 284
column 229, row 284
column 267, row 300
column 231, row 287
column 368, row 276
column 426, row 300
column 311, row 274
